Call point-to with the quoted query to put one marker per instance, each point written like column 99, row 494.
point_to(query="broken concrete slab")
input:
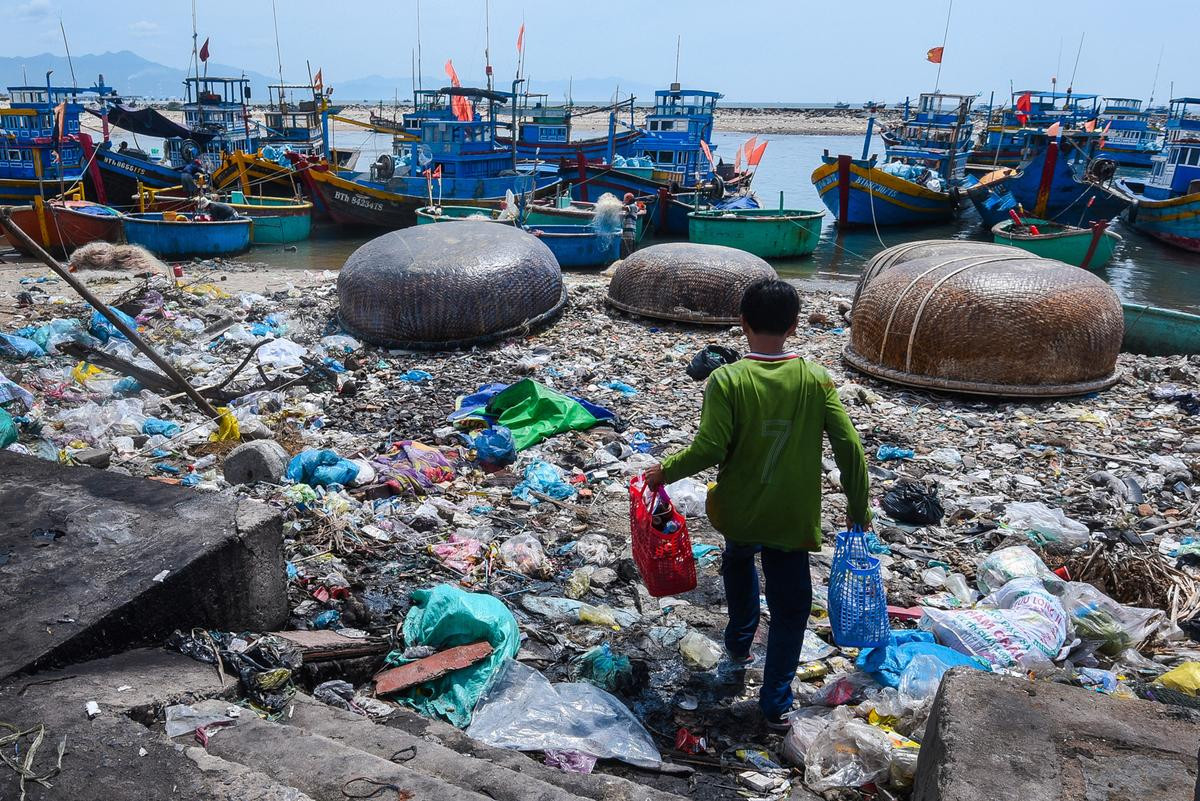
column 260, row 460
column 431, row 667
column 1008, row 739
column 98, row 585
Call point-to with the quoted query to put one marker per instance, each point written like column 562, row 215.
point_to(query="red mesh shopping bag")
column 664, row 558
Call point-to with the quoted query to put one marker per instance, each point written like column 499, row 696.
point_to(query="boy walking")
column 763, row 421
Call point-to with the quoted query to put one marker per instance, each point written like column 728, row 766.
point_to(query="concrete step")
column 322, row 767
column 121, row 561
column 445, row 752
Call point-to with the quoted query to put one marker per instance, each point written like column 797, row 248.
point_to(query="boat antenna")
column 945, row 35
column 1071, row 85
column 419, row 84
column 67, row 47
column 678, row 44
column 1154, row 85
column 278, row 55
column 1057, row 67
column 487, row 41
column 412, row 69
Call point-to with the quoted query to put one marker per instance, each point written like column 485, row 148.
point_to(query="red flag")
column 1024, row 106
column 204, row 51
column 521, row 39
column 459, row 105
column 1089, row 126
column 1104, row 133
column 934, row 55
column 757, row 155
column 318, row 83
column 708, row 154
column 737, row 159
column 1054, row 130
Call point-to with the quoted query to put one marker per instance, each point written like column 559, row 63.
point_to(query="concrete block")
column 260, row 460
column 1008, row 739
column 91, row 591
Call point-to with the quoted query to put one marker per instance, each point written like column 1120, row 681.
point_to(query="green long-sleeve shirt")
column 763, row 423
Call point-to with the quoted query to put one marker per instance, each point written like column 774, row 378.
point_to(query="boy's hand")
column 654, row 477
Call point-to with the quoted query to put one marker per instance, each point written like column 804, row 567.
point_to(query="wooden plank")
column 430, row 668
column 324, row 645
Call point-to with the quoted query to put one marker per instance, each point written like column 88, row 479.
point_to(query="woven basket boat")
column 984, row 319
column 436, row 287
column 686, row 283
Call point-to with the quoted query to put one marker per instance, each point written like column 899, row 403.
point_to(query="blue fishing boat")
column 1166, row 205
column 455, row 161
column 544, row 132
column 38, row 159
column 176, row 235
column 917, row 182
column 669, row 156
column 579, row 245
column 216, row 120
column 1003, row 141
column 1129, row 138
column 1065, row 182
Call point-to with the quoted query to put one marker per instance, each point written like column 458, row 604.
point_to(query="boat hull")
column 1160, row 332
column 61, row 227
column 1072, row 247
column 277, row 221
column 250, row 172
column 860, row 195
column 431, row 214
column 120, row 175
column 1175, row 221
column 593, row 149
column 354, row 204
column 1127, row 156
column 176, row 240
column 1047, row 187
column 575, row 246
column 767, row 233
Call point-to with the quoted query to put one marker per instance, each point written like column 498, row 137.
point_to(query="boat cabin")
column 1127, row 126
column 428, row 104
column 936, row 136
column 1176, row 171
column 541, row 123
column 680, row 120
column 295, row 124
column 28, row 130
column 217, row 107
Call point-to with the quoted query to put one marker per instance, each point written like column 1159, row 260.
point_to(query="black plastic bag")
column 913, row 502
column 709, row 359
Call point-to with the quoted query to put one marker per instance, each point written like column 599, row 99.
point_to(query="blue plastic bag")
column 619, row 386
column 103, row 330
column 166, row 428
column 8, row 430
column 321, row 468
column 887, row 663
column 494, row 447
column 17, row 347
column 544, row 478
column 887, row 453
column 416, row 376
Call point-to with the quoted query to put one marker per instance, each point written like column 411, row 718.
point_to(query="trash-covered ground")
column 1075, row 518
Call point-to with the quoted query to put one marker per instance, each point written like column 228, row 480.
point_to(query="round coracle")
column 923, row 248
column 686, row 282
column 448, row 286
column 1000, row 323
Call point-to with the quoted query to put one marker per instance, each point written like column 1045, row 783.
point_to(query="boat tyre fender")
column 189, row 150
column 385, row 167
column 716, row 189
column 1103, row 169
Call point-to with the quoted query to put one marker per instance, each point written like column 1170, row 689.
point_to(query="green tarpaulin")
column 533, row 412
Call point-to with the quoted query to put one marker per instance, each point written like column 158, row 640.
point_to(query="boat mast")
column 678, row 45
column 67, row 47
column 419, row 84
column 487, row 43
column 1154, row 85
column 278, row 55
column 945, row 35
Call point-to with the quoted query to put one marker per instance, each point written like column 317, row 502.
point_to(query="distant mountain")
column 131, row 74
column 126, row 72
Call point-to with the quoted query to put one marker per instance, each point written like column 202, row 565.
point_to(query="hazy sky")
column 765, row 50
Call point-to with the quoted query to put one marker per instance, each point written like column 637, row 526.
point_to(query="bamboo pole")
column 95, row 302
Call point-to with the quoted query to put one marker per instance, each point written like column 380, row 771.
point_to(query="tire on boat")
column 433, row 287
column 988, row 323
column 685, row 282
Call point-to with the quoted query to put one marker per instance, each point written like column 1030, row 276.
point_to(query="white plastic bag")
column 689, row 496
column 806, row 724
column 524, row 554
column 847, row 753
column 1108, row 626
column 281, row 354
column 1048, row 528
column 1019, row 626
column 523, row 711
column 1005, row 564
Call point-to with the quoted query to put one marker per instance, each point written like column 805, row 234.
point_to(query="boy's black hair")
column 770, row 306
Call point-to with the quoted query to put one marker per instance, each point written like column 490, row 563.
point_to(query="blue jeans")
column 789, row 597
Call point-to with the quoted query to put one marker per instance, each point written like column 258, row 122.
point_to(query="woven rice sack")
column 448, row 285
column 685, row 282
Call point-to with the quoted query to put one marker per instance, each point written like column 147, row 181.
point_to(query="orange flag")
column 318, row 83
column 463, row 112
column 1104, row 133
column 737, row 159
column 934, row 55
column 1089, row 126
column 521, row 39
column 757, row 155
column 1054, row 130
column 708, row 154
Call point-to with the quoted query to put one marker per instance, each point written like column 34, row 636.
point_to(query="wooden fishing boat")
column 1089, row 248
column 579, row 246
column 177, row 235
column 1167, row 205
column 277, row 221
column 767, row 233
column 1065, row 182
column 436, row 214
column 561, row 210
column 60, row 226
column 1160, row 332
